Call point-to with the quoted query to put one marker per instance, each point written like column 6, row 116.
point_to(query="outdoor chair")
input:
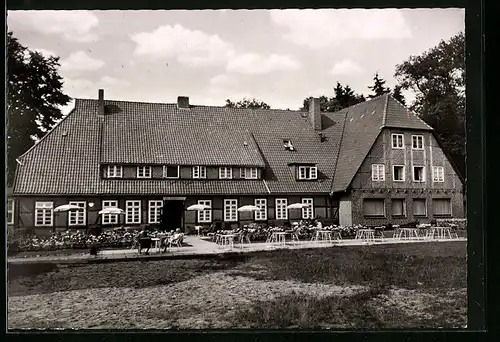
column 177, row 242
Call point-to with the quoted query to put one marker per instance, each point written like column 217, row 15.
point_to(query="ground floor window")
column 281, row 210
column 205, row 216
column 374, row 207
column 77, row 217
column 230, row 210
column 10, row 211
column 262, row 214
column 441, row 206
column 154, row 212
column 419, row 207
column 308, row 212
column 109, row 218
column 133, row 211
column 398, row 207
column 44, row 213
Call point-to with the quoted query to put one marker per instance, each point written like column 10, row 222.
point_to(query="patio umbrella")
column 198, row 207
column 298, row 206
column 66, row 207
column 248, row 208
column 114, row 211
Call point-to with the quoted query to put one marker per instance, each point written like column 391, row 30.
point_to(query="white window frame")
column 378, row 172
column 305, row 175
column 46, row 209
column 225, row 172
column 308, row 212
column 114, row 171
column 154, row 211
column 78, row 217
column 280, row 208
column 262, row 214
column 232, row 205
column 205, row 216
column 165, row 167
column 404, row 206
column 423, row 174
column 249, row 172
column 438, row 174
column 10, row 210
column 199, row 172
column 397, row 135
column 109, row 218
column 130, row 208
column 144, row 172
column 394, row 173
column 416, row 138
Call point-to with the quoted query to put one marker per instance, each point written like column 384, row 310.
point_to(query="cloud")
column 80, row 61
column 346, row 67
column 72, row 25
column 322, row 28
column 251, row 63
column 108, row 81
column 223, row 80
column 45, row 53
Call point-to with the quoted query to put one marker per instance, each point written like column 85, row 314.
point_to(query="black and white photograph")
column 236, row 169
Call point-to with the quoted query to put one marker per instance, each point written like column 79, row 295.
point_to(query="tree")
column 344, row 97
column 378, row 87
column 396, row 93
column 247, row 103
column 437, row 77
column 34, row 94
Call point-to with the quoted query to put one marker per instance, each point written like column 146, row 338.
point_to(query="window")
column 171, row 171
column 154, row 212
column 249, row 173
column 133, row 212
column 397, row 141
column 281, row 210
column 441, row 206
column 378, row 172
column 398, row 173
column 374, row 207
column 417, row 142
column 225, row 172
column 205, row 216
column 419, row 207
column 109, row 218
column 419, row 174
column 438, row 174
column 262, row 214
column 114, row 171
column 199, row 172
column 10, row 211
column 230, row 210
column 308, row 212
column 308, row 172
column 77, row 217
column 398, row 207
column 144, row 172
column 44, row 214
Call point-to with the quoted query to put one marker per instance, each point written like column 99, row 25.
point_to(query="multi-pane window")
column 154, row 212
column 77, row 217
column 205, row 216
column 378, row 172
column 230, row 210
column 171, row 171
column 114, row 171
column 308, row 212
column 144, row 172
column 281, row 210
column 438, row 174
column 308, row 172
column 398, row 173
column 225, row 172
column 109, row 218
column 261, row 215
column 398, row 207
column 199, row 172
column 133, row 211
column 44, row 214
column 10, row 211
column 374, row 207
column 249, row 173
column 441, row 206
column 397, row 141
column 419, row 174
column 419, row 207
column 417, row 142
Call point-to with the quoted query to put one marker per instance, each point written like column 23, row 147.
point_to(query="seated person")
column 144, row 241
column 318, row 224
column 175, row 238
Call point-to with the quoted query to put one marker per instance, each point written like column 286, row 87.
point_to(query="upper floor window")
column 419, row 174
column 249, row 173
column 398, row 141
column 171, row 171
column 378, row 172
column 398, row 173
column 199, row 172
column 144, row 172
column 308, row 172
column 114, row 171
column 438, row 174
column 417, row 142
column 225, row 172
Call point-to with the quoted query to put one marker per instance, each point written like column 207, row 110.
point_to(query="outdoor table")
column 336, row 234
column 156, row 242
column 323, row 235
column 406, row 233
column 226, row 240
column 198, row 229
column 365, row 234
column 278, row 237
column 441, row 232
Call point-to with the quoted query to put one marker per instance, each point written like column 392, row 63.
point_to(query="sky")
column 277, row 56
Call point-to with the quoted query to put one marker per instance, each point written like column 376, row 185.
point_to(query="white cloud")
column 223, row 80
column 108, row 81
column 45, row 53
column 322, row 28
column 78, row 87
column 72, row 25
column 346, row 67
column 80, row 61
column 251, row 63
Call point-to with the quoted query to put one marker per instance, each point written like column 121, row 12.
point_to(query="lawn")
column 385, row 286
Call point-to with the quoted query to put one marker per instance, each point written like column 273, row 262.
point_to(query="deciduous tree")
column 247, row 103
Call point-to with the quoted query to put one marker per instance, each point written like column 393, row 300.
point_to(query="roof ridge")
column 338, row 153
column 384, row 113
column 359, row 103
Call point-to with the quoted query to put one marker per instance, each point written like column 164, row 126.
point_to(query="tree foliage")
column 248, row 103
column 437, row 76
column 378, row 87
column 343, row 97
column 396, row 93
column 34, row 94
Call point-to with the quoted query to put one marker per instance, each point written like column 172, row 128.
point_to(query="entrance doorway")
column 171, row 215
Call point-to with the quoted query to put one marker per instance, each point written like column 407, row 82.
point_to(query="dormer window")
column 171, row 171
column 144, row 172
column 114, row 171
column 225, row 172
column 249, row 173
column 199, row 172
column 308, row 172
column 288, row 145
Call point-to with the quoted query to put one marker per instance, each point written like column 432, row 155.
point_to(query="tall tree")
column 343, row 97
column 437, row 77
column 34, row 94
column 396, row 93
column 378, row 87
column 247, row 103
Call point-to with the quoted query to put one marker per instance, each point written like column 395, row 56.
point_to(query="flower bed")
column 460, row 223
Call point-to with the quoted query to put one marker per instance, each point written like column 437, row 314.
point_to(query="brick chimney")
column 183, row 102
column 100, row 103
column 315, row 114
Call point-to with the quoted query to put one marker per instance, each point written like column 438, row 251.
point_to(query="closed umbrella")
column 66, row 207
column 298, row 206
column 248, row 208
column 115, row 211
column 198, row 207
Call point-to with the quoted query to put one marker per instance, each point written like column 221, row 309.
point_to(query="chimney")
column 100, row 103
column 315, row 114
column 183, row 102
